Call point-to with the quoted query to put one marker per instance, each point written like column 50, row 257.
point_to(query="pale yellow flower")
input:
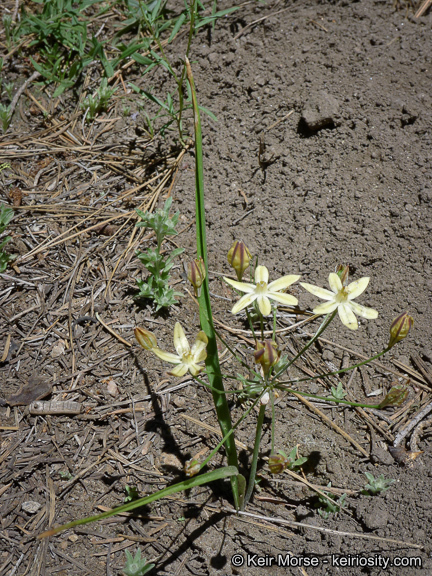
column 187, row 359
column 341, row 297
column 263, row 292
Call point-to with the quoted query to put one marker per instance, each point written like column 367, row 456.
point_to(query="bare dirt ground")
column 320, row 156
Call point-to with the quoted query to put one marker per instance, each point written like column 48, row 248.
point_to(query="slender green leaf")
column 206, row 318
column 219, row 474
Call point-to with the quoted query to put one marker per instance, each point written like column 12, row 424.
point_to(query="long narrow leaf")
column 206, row 318
column 177, row 26
column 218, row 474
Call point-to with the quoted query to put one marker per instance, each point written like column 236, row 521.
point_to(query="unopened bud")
column 277, row 463
column 400, row 328
column 266, row 354
column 196, row 273
column 343, row 273
column 145, row 338
column 192, row 467
column 239, row 257
column 395, row 397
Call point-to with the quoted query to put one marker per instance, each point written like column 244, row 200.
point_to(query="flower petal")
column 180, row 341
column 241, row 286
column 199, row 349
column 363, row 311
column 283, row 282
column 244, row 301
column 283, row 298
column 347, row 316
column 335, row 282
column 179, row 370
column 195, row 369
column 325, row 308
column 261, row 274
column 264, row 305
column 317, row 291
column 356, row 288
column 167, row 356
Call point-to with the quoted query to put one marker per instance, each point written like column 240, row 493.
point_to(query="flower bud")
column 400, row 328
column 239, row 257
column 266, row 354
column 343, row 273
column 278, row 463
column 395, row 397
column 145, row 338
column 192, row 467
column 196, row 273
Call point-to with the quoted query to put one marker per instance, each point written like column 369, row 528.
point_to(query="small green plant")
column 6, row 215
column 98, row 102
column 5, row 116
column 157, row 285
column 280, row 461
column 65, row 475
column 7, row 23
column 9, row 89
column 131, row 494
column 136, row 566
column 376, row 485
column 338, row 393
column 328, row 505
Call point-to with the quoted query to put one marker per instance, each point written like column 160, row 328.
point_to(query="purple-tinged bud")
column 343, row 273
column 400, row 328
column 266, row 354
column 196, row 273
column 145, row 338
column 278, row 463
column 239, row 257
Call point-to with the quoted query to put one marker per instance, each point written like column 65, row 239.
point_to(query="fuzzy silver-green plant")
column 135, row 565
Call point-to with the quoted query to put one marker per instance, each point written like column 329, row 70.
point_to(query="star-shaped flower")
column 341, row 297
column 187, row 359
column 263, row 292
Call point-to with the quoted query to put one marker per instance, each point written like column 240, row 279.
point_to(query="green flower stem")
column 206, row 318
column 251, row 325
column 193, row 13
column 327, row 399
column 324, row 325
column 253, row 468
column 238, row 358
column 262, row 326
column 341, row 371
column 272, row 422
column 235, row 426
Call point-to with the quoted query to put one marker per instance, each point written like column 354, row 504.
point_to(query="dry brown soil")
column 338, row 97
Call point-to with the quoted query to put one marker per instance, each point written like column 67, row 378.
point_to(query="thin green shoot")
column 5, row 116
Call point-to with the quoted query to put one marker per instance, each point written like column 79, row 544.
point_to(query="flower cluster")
column 340, row 297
